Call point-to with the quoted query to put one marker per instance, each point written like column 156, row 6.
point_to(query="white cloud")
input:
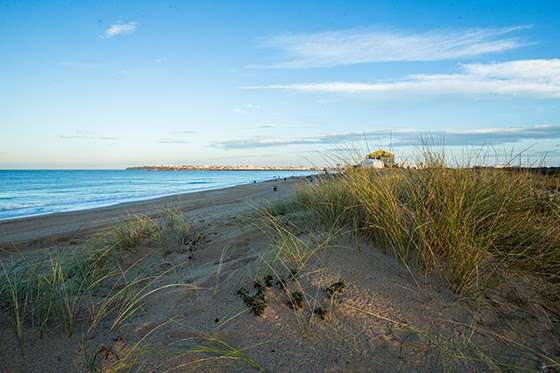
column 408, row 137
column 168, row 140
column 354, row 46
column 535, row 78
column 119, row 29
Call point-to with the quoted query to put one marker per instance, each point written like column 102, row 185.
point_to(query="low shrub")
column 173, row 230
column 131, row 233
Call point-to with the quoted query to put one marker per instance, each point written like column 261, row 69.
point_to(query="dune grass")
column 131, row 233
column 49, row 292
column 476, row 228
column 173, row 230
column 212, row 349
column 170, row 231
column 465, row 224
column 66, row 290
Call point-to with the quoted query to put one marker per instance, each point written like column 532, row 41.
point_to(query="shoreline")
column 24, row 231
column 224, row 168
column 134, row 200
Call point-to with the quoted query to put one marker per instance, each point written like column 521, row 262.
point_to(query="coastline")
column 21, row 232
column 133, row 200
column 224, row 168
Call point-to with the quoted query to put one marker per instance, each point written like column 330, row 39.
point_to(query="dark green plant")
column 295, row 300
column 336, row 288
column 256, row 302
column 321, row 312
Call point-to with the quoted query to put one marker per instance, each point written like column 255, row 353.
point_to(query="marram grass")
column 56, row 292
column 464, row 224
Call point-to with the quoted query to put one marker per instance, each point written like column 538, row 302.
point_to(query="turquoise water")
column 36, row 192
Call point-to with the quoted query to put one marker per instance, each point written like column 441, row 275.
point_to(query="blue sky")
column 107, row 84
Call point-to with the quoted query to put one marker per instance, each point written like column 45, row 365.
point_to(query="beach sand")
column 31, row 231
column 388, row 318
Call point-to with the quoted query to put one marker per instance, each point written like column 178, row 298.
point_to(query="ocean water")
column 37, row 192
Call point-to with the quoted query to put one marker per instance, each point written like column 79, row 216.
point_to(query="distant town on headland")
column 226, row 168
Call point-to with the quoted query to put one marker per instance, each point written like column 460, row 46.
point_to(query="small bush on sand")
column 130, row 234
column 173, row 230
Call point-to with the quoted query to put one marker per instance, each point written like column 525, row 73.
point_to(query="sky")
column 110, row 84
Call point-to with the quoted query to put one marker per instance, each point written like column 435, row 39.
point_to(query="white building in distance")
column 379, row 159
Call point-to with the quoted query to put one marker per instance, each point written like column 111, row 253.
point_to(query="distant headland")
column 226, row 168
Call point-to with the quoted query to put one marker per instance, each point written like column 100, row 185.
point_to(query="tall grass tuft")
column 213, row 348
column 16, row 299
column 463, row 223
column 173, row 229
column 44, row 293
column 131, row 233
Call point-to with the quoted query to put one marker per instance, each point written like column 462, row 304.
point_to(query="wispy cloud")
column 354, row 46
column 266, row 126
column 540, row 78
column 408, row 137
column 84, row 135
column 172, row 141
column 244, row 109
column 184, row 132
column 117, row 29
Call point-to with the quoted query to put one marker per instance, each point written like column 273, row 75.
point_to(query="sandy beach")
column 382, row 315
column 26, row 232
column 225, row 259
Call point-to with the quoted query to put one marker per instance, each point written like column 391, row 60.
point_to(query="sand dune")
column 388, row 317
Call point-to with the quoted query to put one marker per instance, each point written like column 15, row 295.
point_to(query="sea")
column 37, row 192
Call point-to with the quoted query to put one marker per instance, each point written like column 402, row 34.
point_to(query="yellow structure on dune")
column 379, row 159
